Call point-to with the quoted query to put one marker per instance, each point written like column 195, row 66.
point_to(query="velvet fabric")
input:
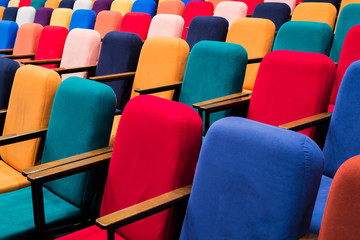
column 24, row 3
column 344, row 3
column 99, row 6
column 10, row 14
column 170, row 25
column 138, row 23
column 251, row 5
column 52, row 4
column 37, row 4
column 43, row 15
column 231, row 10
column 253, row 180
column 82, row 4
column 333, row 2
column 302, row 36
column 107, row 21
column 122, row 6
column 4, row 3
column 25, row 15
column 144, row 6
column 61, row 17
column 8, row 31
column 82, row 18
column 66, row 4
column 301, row 94
column 119, row 53
column 27, row 38
column 13, row 3
column 290, row 3
column 278, row 13
column 171, row 7
column 2, row 9
column 193, row 9
column 349, row 17
column 214, row 69
column 207, row 28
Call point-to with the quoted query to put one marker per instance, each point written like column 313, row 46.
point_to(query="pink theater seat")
column 231, row 10
column 166, row 25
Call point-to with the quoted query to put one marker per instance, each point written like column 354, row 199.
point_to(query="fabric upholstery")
column 290, row 3
column 37, row 4
column 304, row 36
column 345, row 3
column 231, row 10
column 51, row 44
column 82, row 4
column 171, row 7
column 138, row 23
column 24, row 3
column 207, row 28
column 252, row 4
column 61, row 17
column 333, row 2
column 119, row 53
column 81, row 49
column 83, row 18
column 107, row 21
column 342, row 210
column 2, row 9
column 14, row 3
column 278, row 13
column 187, row 1
column 99, row 6
column 29, row 108
column 52, row 4
column 144, row 6
column 214, row 69
column 215, row 2
column 25, row 15
column 10, row 14
column 256, row 36
column 348, row 18
column 8, row 34
column 122, row 6
column 193, row 9
column 350, row 53
column 66, row 4
column 4, row 3
column 43, row 15
column 301, row 94
column 253, row 180
column 166, row 25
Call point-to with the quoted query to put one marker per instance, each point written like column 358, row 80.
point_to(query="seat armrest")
column 255, row 60
column 174, row 86
column 42, row 62
column 6, row 51
column 32, row 55
column 310, row 236
column 3, row 112
column 143, row 209
column 90, row 68
column 68, row 169
column 114, row 77
column 19, row 137
column 220, row 99
column 64, row 161
column 308, row 122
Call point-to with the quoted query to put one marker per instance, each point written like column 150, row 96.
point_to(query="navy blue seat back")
column 82, row 18
column 10, row 14
column 278, row 13
column 66, row 4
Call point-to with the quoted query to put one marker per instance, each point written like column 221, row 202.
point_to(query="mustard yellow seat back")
column 256, row 35
column 315, row 12
column 122, row 6
column 2, row 9
column 52, row 4
column 61, row 17
column 29, row 108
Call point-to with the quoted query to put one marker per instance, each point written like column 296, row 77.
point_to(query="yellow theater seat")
column 29, row 109
column 14, row 3
column 256, row 35
column 61, row 17
column 52, row 4
column 122, row 6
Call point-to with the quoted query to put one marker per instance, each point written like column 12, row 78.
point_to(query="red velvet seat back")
column 51, row 43
column 24, row 3
column 155, row 151
column 350, row 52
column 135, row 22
column 291, row 85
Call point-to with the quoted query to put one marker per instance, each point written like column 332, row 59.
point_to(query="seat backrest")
column 8, row 68
column 37, row 4
column 249, row 181
column 251, row 5
column 99, row 6
column 81, row 49
column 290, row 3
column 138, row 23
column 119, row 53
column 162, row 61
column 43, row 16
column 349, row 17
column 79, row 123
column 61, row 17
column 303, row 81
column 305, row 37
column 83, row 18
column 207, row 28
column 344, row 3
column 51, row 43
column 29, row 108
column 4, row 3
column 256, row 35
column 171, row 7
column 52, row 4
column 8, row 34
column 278, row 13
column 14, row 3
column 214, row 69
column 315, row 12
column 336, row 3
column 107, row 21
column 161, row 151
column 144, row 6
column 342, row 211
column 231, row 10
column 122, row 6
column 341, row 139
column 24, row 3
column 10, row 14
column 170, row 25
column 193, row 9
column 66, row 4
column 25, row 15
column 27, row 38
column 82, row 4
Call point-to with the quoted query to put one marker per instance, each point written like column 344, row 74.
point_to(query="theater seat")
column 82, row 18
column 10, row 14
column 278, row 13
column 138, row 23
column 61, row 17
column 144, row 6
column 231, row 10
column 107, row 21
column 8, row 34
column 25, row 15
column 171, row 7
column 43, row 16
column 166, row 25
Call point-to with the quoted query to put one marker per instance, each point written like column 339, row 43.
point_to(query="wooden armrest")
column 14, row 138
column 69, row 169
column 3, row 112
column 6, row 51
column 248, row 15
column 20, row 56
column 228, row 104
column 75, row 69
column 42, row 62
column 255, row 60
column 143, row 209
column 186, row 27
column 308, row 122
column 220, row 99
column 114, row 77
column 64, row 161
column 310, row 236
column 159, row 89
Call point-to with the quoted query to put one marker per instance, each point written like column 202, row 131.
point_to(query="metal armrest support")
column 114, row 77
column 175, row 86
